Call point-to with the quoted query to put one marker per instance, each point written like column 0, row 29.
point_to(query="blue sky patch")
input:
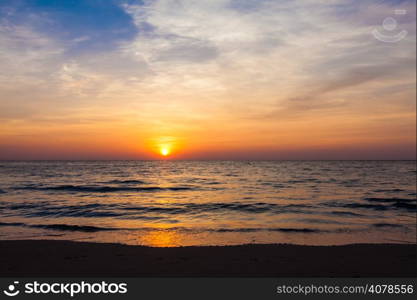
column 88, row 25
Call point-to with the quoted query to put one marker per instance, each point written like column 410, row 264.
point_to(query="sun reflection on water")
column 161, row 238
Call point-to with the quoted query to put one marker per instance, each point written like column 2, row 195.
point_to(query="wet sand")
column 32, row 258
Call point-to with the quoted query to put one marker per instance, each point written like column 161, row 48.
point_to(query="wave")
column 22, row 206
column 387, row 225
column 65, row 227
column 11, row 224
column 61, row 227
column 345, row 213
column 129, row 210
column 93, row 229
column 197, row 180
column 387, row 200
column 125, row 182
column 360, row 205
column 103, row 189
column 386, row 204
column 320, row 221
column 295, row 181
column 407, row 206
column 351, row 182
column 389, row 191
column 293, row 230
column 83, row 228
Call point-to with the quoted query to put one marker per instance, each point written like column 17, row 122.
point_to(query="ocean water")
column 178, row 203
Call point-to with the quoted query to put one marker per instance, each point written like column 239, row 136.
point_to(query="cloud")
column 188, row 65
column 267, row 43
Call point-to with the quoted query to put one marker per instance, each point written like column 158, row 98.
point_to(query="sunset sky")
column 218, row 79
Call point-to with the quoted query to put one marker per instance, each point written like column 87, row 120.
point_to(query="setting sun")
column 165, row 151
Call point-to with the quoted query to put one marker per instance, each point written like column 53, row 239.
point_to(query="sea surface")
column 178, row 203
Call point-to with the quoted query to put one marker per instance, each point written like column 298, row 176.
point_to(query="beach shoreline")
column 53, row 258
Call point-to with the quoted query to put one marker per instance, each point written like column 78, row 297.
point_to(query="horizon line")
column 180, row 160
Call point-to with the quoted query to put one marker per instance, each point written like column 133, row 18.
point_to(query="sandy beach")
column 25, row 258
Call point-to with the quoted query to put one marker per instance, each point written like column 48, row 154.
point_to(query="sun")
column 164, row 151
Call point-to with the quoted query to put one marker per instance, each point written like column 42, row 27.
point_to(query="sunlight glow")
column 165, row 151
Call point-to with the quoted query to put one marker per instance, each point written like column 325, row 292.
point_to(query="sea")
column 182, row 203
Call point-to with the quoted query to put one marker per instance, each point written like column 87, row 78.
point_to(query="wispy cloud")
column 188, row 66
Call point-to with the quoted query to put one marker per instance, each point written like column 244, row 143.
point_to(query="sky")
column 218, row 79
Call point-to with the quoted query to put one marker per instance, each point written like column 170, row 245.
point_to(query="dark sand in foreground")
column 65, row 259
